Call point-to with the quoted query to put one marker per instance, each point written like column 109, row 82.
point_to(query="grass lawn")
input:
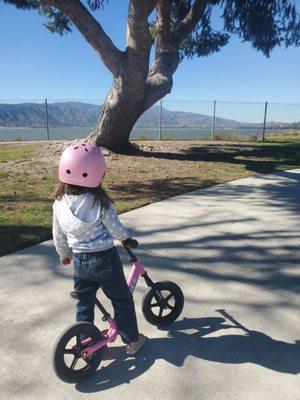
column 28, row 176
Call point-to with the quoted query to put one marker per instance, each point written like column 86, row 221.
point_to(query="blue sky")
column 36, row 64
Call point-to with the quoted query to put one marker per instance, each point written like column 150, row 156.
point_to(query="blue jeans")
column 104, row 269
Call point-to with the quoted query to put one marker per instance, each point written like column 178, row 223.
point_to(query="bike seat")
column 76, row 295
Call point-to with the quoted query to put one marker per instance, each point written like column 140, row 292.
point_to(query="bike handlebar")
column 130, row 243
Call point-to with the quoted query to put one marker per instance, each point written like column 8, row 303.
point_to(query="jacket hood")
column 78, row 215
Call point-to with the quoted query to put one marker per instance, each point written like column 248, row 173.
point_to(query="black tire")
column 173, row 300
column 62, row 350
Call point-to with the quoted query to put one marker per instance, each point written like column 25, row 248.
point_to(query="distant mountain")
column 60, row 114
column 181, row 119
column 69, row 114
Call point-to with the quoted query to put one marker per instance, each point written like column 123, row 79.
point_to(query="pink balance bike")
column 79, row 350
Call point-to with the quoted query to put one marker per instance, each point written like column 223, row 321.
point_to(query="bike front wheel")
column 163, row 303
column 68, row 364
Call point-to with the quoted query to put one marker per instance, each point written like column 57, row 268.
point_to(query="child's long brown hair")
column 98, row 192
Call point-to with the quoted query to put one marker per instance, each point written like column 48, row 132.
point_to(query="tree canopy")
column 265, row 24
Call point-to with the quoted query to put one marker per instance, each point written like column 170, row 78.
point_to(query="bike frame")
column 111, row 334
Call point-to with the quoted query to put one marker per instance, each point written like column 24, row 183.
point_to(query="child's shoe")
column 134, row 347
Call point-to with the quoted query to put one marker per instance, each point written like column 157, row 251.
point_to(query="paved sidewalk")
column 234, row 246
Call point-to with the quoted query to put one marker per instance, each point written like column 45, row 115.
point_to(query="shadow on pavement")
column 264, row 256
column 244, row 346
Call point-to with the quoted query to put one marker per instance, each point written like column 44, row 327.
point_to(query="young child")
column 84, row 226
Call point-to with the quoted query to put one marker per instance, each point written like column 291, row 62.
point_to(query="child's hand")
column 66, row 261
column 130, row 242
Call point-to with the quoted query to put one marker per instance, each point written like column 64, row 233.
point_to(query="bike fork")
column 158, row 297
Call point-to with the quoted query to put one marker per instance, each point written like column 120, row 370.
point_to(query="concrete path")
column 234, row 246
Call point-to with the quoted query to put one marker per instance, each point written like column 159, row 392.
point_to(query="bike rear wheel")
column 68, row 365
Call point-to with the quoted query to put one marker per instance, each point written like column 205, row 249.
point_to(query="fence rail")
column 168, row 119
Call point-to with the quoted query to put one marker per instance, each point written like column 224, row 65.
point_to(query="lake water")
column 10, row 134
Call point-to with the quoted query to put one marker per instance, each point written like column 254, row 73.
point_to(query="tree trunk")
column 127, row 100
column 120, row 113
column 123, row 104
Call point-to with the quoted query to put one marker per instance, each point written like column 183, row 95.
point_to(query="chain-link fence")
column 168, row 119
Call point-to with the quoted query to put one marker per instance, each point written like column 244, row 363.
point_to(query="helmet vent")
column 68, row 171
column 86, row 150
column 84, row 174
column 77, row 147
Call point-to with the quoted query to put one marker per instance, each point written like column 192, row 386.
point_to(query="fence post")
column 212, row 136
column 265, row 121
column 46, row 117
column 160, row 118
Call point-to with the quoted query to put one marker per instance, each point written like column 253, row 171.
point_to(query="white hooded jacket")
column 81, row 225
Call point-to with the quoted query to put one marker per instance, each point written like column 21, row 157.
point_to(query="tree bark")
column 120, row 112
column 124, row 102
column 129, row 97
column 166, row 61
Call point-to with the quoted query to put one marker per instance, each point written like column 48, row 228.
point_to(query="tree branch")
column 160, row 78
column 190, row 21
column 166, row 60
column 139, row 44
column 92, row 31
column 163, row 23
column 138, row 34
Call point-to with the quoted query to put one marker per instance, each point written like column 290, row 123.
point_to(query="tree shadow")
column 157, row 189
column 262, row 256
column 283, row 193
column 266, row 256
column 233, row 258
column 244, row 346
column 18, row 237
column 253, row 157
column 25, row 197
column 47, row 256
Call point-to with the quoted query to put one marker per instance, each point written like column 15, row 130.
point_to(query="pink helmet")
column 82, row 164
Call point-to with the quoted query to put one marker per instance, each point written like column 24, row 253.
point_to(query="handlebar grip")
column 132, row 243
